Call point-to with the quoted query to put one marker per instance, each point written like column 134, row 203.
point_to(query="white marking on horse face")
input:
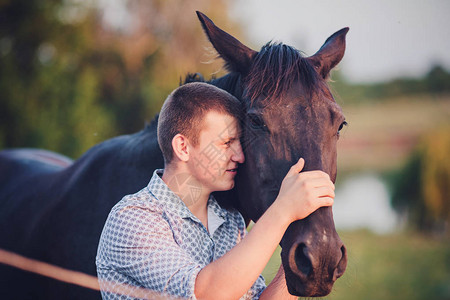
column 325, row 238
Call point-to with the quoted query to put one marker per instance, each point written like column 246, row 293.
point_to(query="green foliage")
column 68, row 80
column 50, row 96
column 422, row 187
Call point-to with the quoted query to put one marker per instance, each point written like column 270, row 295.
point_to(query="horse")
column 53, row 209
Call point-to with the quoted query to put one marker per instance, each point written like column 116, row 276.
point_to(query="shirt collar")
column 216, row 215
column 215, row 207
column 165, row 196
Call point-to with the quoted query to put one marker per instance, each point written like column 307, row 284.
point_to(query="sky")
column 387, row 38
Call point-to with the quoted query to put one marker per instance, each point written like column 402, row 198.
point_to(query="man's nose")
column 238, row 154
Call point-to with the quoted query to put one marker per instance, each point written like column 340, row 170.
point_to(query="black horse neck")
column 124, row 163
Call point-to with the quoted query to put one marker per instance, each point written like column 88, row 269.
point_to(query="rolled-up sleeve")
column 138, row 247
column 256, row 290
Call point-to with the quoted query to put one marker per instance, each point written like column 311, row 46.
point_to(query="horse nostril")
column 344, row 251
column 342, row 265
column 302, row 260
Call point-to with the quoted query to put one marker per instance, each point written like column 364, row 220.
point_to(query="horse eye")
column 256, row 122
column 342, row 126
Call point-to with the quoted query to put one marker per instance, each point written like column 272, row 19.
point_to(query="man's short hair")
column 184, row 110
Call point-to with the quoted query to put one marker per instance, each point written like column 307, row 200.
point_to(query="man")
column 173, row 237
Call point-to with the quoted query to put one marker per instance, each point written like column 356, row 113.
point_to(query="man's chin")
column 226, row 187
column 231, row 185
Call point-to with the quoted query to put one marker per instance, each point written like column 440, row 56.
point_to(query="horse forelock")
column 275, row 68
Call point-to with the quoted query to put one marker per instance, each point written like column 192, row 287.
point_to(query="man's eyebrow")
column 228, row 138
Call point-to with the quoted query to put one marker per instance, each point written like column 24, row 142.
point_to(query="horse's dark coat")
column 56, row 214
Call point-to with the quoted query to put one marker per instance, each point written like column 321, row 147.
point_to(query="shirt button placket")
column 212, row 248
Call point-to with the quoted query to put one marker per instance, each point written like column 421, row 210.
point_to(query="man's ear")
column 180, row 147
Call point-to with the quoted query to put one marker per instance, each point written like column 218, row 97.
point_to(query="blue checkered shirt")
column 151, row 240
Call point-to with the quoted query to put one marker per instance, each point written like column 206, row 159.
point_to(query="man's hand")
column 303, row 193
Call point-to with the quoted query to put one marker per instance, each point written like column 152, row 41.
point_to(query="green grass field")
column 398, row 266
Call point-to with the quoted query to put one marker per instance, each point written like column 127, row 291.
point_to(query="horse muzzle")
column 313, row 257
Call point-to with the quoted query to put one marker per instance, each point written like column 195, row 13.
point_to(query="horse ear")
column 237, row 56
column 330, row 54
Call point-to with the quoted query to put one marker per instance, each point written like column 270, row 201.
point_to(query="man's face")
column 214, row 161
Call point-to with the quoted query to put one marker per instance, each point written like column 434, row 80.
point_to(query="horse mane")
column 275, row 68
column 153, row 124
column 192, row 77
column 230, row 82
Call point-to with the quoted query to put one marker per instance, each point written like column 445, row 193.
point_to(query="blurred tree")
column 435, row 82
column 73, row 73
column 41, row 77
column 422, row 187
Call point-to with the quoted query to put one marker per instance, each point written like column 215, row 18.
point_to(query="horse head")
column 290, row 113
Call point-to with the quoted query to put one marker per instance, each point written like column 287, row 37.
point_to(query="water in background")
column 363, row 201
